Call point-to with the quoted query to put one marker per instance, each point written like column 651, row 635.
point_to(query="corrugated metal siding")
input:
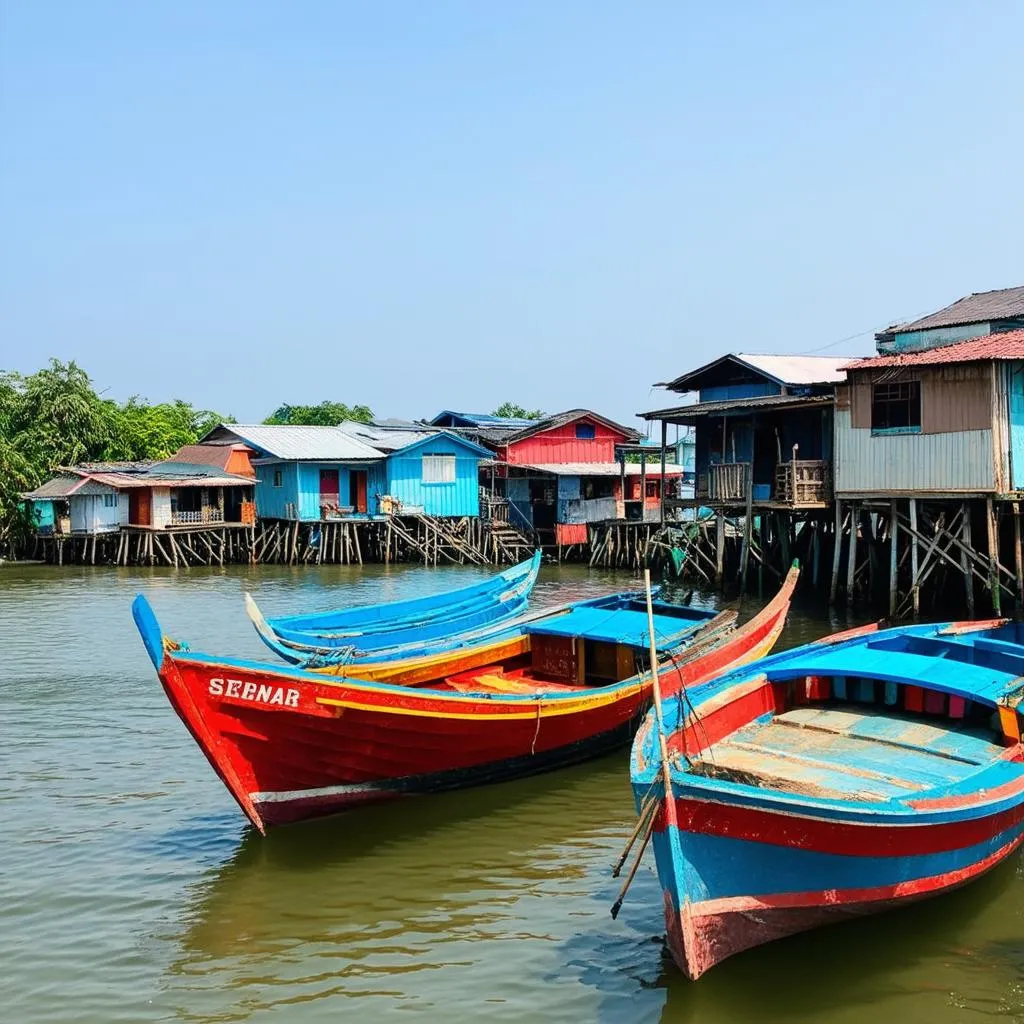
column 459, row 498
column 560, row 444
column 866, row 464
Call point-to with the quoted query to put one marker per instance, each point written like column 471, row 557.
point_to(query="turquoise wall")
column 458, row 498
column 1015, row 386
column 917, row 341
column 298, row 497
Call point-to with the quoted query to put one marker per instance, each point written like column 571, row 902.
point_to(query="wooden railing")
column 802, row 482
column 210, row 514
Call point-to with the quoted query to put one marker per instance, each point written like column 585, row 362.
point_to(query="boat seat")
column 494, row 682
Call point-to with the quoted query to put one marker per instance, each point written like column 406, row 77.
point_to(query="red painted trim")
column 826, row 835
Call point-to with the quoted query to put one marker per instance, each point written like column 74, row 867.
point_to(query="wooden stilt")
column 915, row 583
column 851, row 569
column 1018, row 560
column 893, row 559
column 837, row 546
column 992, row 522
column 965, row 565
column 719, row 548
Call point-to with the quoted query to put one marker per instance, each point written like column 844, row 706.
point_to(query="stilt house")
column 762, row 429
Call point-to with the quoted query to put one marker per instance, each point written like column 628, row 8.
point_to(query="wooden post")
column 719, row 547
column 851, row 569
column 965, row 533
column 893, row 560
column 836, row 553
column 1017, row 559
column 748, row 525
column 664, row 445
column 993, row 555
column 915, row 585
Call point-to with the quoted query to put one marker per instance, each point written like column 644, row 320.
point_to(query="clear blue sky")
column 427, row 205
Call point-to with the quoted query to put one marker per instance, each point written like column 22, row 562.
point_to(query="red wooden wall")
column 560, row 445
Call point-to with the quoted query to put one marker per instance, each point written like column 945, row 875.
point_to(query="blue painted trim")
column 888, row 431
column 152, row 636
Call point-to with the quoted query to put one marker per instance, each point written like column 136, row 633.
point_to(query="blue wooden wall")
column 1015, row 386
column 299, row 493
column 730, row 392
column 458, row 498
column 517, row 491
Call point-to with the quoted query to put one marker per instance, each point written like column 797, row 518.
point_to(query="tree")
column 512, row 411
column 326, row 414
column 54, row 417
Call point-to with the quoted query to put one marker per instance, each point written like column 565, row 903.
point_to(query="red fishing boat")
column 291, row 744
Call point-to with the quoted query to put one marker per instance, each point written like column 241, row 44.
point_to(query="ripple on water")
column 131, row 888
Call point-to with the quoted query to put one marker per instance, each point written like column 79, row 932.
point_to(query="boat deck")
column 851, row 754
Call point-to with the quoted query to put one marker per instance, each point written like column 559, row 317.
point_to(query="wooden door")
column 357, row 489
column 140, row 507
column 328, row 487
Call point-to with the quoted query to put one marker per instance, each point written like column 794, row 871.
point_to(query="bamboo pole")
column 915, row 583
column 837, row 550
column 993, row 554
column 1017, row 556
column 851, row 569
column 893, row 559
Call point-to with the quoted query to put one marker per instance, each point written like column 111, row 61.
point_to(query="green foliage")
column 326, row 414
column 511, row 410
column 55, row 418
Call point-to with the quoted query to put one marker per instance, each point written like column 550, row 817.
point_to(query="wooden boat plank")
column 887, row 729
column 908, row 764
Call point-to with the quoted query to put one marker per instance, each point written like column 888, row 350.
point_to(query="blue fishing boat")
column 845, row 777
column 372, row 628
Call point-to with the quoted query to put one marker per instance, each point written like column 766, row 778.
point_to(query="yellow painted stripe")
column 552, row 710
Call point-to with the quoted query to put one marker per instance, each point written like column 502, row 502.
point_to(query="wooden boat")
column 845, row 777
column 291, row 744
column 411, row 626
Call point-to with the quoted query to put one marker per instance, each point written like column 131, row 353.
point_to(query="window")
column 584, row 431
column 896, row 408
column 652, row 488
column 439, row 469
column 599, row 487
column 110, row 501
column 277, row 478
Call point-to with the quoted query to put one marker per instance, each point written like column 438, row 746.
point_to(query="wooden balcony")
column 209, row 514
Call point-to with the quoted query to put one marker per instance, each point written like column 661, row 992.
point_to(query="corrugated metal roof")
column 216, row 455
column 602, row 468
column 1006, row 345
column 387, row 439
column 479, row 419
column 999, row 304
column 783, row 370
column 698, row 410
column 302, row 444
column 798, row 369
column 58, row 487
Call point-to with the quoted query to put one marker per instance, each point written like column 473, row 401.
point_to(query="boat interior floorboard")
column 852, row 754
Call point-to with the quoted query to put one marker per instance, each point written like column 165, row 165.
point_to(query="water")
column 132, row 890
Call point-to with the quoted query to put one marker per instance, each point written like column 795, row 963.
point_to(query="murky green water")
column 132, row 890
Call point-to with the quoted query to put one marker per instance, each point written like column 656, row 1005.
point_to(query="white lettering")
column 278, row 697
column 263, row 693
column 292, row 700
column 216, row 687
column 234, row 687
column 248, row 691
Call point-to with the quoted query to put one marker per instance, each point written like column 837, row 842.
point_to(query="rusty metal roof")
column 1002, row 346
column 999, row 304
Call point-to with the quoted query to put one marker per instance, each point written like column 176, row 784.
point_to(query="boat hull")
column 766, row 890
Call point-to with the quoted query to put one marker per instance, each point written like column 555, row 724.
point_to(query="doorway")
column 357, row 489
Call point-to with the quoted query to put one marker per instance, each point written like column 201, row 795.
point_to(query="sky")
column 421, row 206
